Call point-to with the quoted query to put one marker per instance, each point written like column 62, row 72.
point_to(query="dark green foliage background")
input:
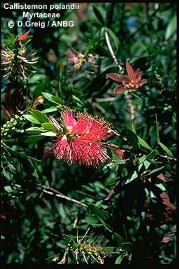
column 35, row 222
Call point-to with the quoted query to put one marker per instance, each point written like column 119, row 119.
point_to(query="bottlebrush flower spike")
column 130, row 82
column 76, row 59
column 81, row 140
column 18, row 60
column 72, row 56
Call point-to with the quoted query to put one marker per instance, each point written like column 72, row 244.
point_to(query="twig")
column 111, row 49
column 168, row 158
column 107, row 99
column 52, row 191
column 130, row 106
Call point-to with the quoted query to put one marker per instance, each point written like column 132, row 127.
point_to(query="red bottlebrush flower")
column 81, row 139
column 130, row 82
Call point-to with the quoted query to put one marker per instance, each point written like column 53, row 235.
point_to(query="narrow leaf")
column 166, row 201
column 171, row 28
column 33, row 138
column 51, row 98
column 49, row 134
column 114, row 38
column 35, row 129
column 130, row 70
column 143, row 143
column 91, row 219
column 48, row 126
column 120, row 258
column 23, row 37
column 99, row 213
column 166, row 149
column 31, row 119
column 98, row 15
column 77, row 100
column 50, row 109
column 57, row 99
column 38, row 115
column 161, row 186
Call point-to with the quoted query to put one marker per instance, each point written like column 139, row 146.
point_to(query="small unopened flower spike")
column 18, row 60
column 130, row 82
column 81, row 140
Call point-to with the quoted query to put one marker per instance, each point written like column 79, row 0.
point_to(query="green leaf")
column 52, row 98
column 143, row 143
column 120, row 258
column 156, row 171
column 49, row 134
column 35, row 129
column 90, row 219
column 142, row 159
column 114, row 38
column 166, row 149
column 48, row 126
column 57, row 99
column 6, row 174
column 117, row 238
column 171, row 28
column 132, row 139
column 33, row 138
column 102, row 214
column 146, row 164
column 68, row 239
column 79, row 102
column 98, row 15
column 109, row 249
column 50, row 109
column 61, row 245
column 8, row 189
column 39, row 116
column 161, row 186
column 130, row 126
column 151, row 155
column 134, row 176
column 31, row 119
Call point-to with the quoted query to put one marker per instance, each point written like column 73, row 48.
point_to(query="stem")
column 157, row 128
column 130, row 106
column 111, row 49
column 168, row 158
column 52, row 191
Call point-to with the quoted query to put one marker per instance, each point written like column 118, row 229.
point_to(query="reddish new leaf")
column 168, row 236
column 23, row 37
column 130, row 71
column 117, row 78
column 129, row 83
column 166, row 201
column 119, row 90
column 162, row 178
column 119, row 152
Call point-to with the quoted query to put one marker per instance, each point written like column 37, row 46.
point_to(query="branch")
column 168, row 158
column 58, row 194
column 130, row 106
column 111, row 49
